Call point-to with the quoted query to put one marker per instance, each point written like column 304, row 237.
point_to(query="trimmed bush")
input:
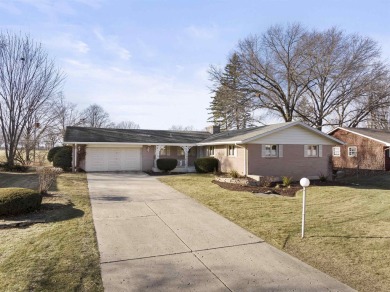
column 15, row 201
column 63, row 158
column 166, row 164
column 47, row 176
column 206, row 164
column 52, row 152
column 14, row 168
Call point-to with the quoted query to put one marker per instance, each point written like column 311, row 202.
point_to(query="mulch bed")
column 287, row 192
column 282, row 191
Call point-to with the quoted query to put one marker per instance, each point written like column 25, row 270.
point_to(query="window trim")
column 350, row 148
column 270, row 153
column 334, row 152
column 234, row 148
column 310, row 150
column 211, row 151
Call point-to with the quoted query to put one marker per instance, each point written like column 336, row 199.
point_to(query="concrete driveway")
column 154, row 238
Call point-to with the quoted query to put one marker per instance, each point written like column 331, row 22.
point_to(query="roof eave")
column 128, row 143
column 218, row 143
column 292, row 125
column 368, row 137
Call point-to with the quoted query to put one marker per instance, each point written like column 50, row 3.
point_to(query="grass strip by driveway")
column 347, row 227
column 60, row 255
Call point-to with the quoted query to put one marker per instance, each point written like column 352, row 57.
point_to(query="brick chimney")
column 213, row 129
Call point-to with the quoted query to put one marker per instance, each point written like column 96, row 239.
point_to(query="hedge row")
column 15, row 201
column 206, row 164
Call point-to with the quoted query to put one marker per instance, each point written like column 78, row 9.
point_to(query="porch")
column 184, row 154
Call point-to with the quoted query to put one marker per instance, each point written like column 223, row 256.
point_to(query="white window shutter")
column 305, row 150
column 280, row 150
column 263, row 150
column 319, row 150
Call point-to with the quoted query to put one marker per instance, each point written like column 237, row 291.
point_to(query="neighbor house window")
column 352, row 151
column 271, row 150
column 336, row 151
column 232, row 150
column 211, row 150
column 166, row 151
column 311, row 150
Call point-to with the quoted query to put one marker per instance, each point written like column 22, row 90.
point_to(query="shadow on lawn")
column 49, row 212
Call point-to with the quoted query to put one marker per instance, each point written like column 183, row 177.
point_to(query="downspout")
column 384, row 160
column 245, row 158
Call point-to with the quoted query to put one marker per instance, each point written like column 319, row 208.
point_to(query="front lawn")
column 347, row 227
column 58, row 255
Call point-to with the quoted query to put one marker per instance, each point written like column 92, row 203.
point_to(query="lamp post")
column 304, row 183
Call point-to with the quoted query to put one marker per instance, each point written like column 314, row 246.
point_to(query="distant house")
column 365, row 149
column 286, row 149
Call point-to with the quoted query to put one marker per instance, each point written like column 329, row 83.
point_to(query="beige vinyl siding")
column 294, row 135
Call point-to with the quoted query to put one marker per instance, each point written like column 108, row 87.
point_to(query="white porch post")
column 74, row 162
column 186, row 149
column 157, row 153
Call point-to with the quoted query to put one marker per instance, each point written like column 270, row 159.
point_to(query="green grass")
column 347, row 228
column 60, row 255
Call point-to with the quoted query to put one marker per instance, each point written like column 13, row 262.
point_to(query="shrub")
column 63, row 158
column 52, row 152
column 166, row 164
column 287, row 180
column 14, row 168
column 15, row 201
column 322, row 177
column 206, row 164
column 47, row 175
column 234, row 173
column 266, row 181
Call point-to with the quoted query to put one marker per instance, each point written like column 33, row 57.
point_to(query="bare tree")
column 274, row 69
column 127, row 125
column 28, row 80
column 344, row 69
column 95, row 116
column 181, row 128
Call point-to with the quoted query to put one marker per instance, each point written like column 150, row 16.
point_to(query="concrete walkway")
column 153, row 238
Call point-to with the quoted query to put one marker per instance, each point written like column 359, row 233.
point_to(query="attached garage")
column 113, row 159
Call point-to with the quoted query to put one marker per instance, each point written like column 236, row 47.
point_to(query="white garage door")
column 113, row 159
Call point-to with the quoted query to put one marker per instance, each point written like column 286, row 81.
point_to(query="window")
column 271, row 150
column 192, row 151
column 181, row 151
column 352, row 151
column 166, row 151
column 311, row 150
column 231, row 150
column 210, row 151
column 336, row 151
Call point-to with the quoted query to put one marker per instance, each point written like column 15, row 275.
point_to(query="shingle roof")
column 104, row 135
column 243, row 134
column 83, row 134
column 381, row 135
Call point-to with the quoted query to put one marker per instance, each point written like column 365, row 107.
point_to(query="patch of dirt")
column 282, row 191
column 287, row 192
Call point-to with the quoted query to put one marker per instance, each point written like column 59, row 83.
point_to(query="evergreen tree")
column 231, row 107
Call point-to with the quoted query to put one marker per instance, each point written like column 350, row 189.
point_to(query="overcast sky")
column 147, row 61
